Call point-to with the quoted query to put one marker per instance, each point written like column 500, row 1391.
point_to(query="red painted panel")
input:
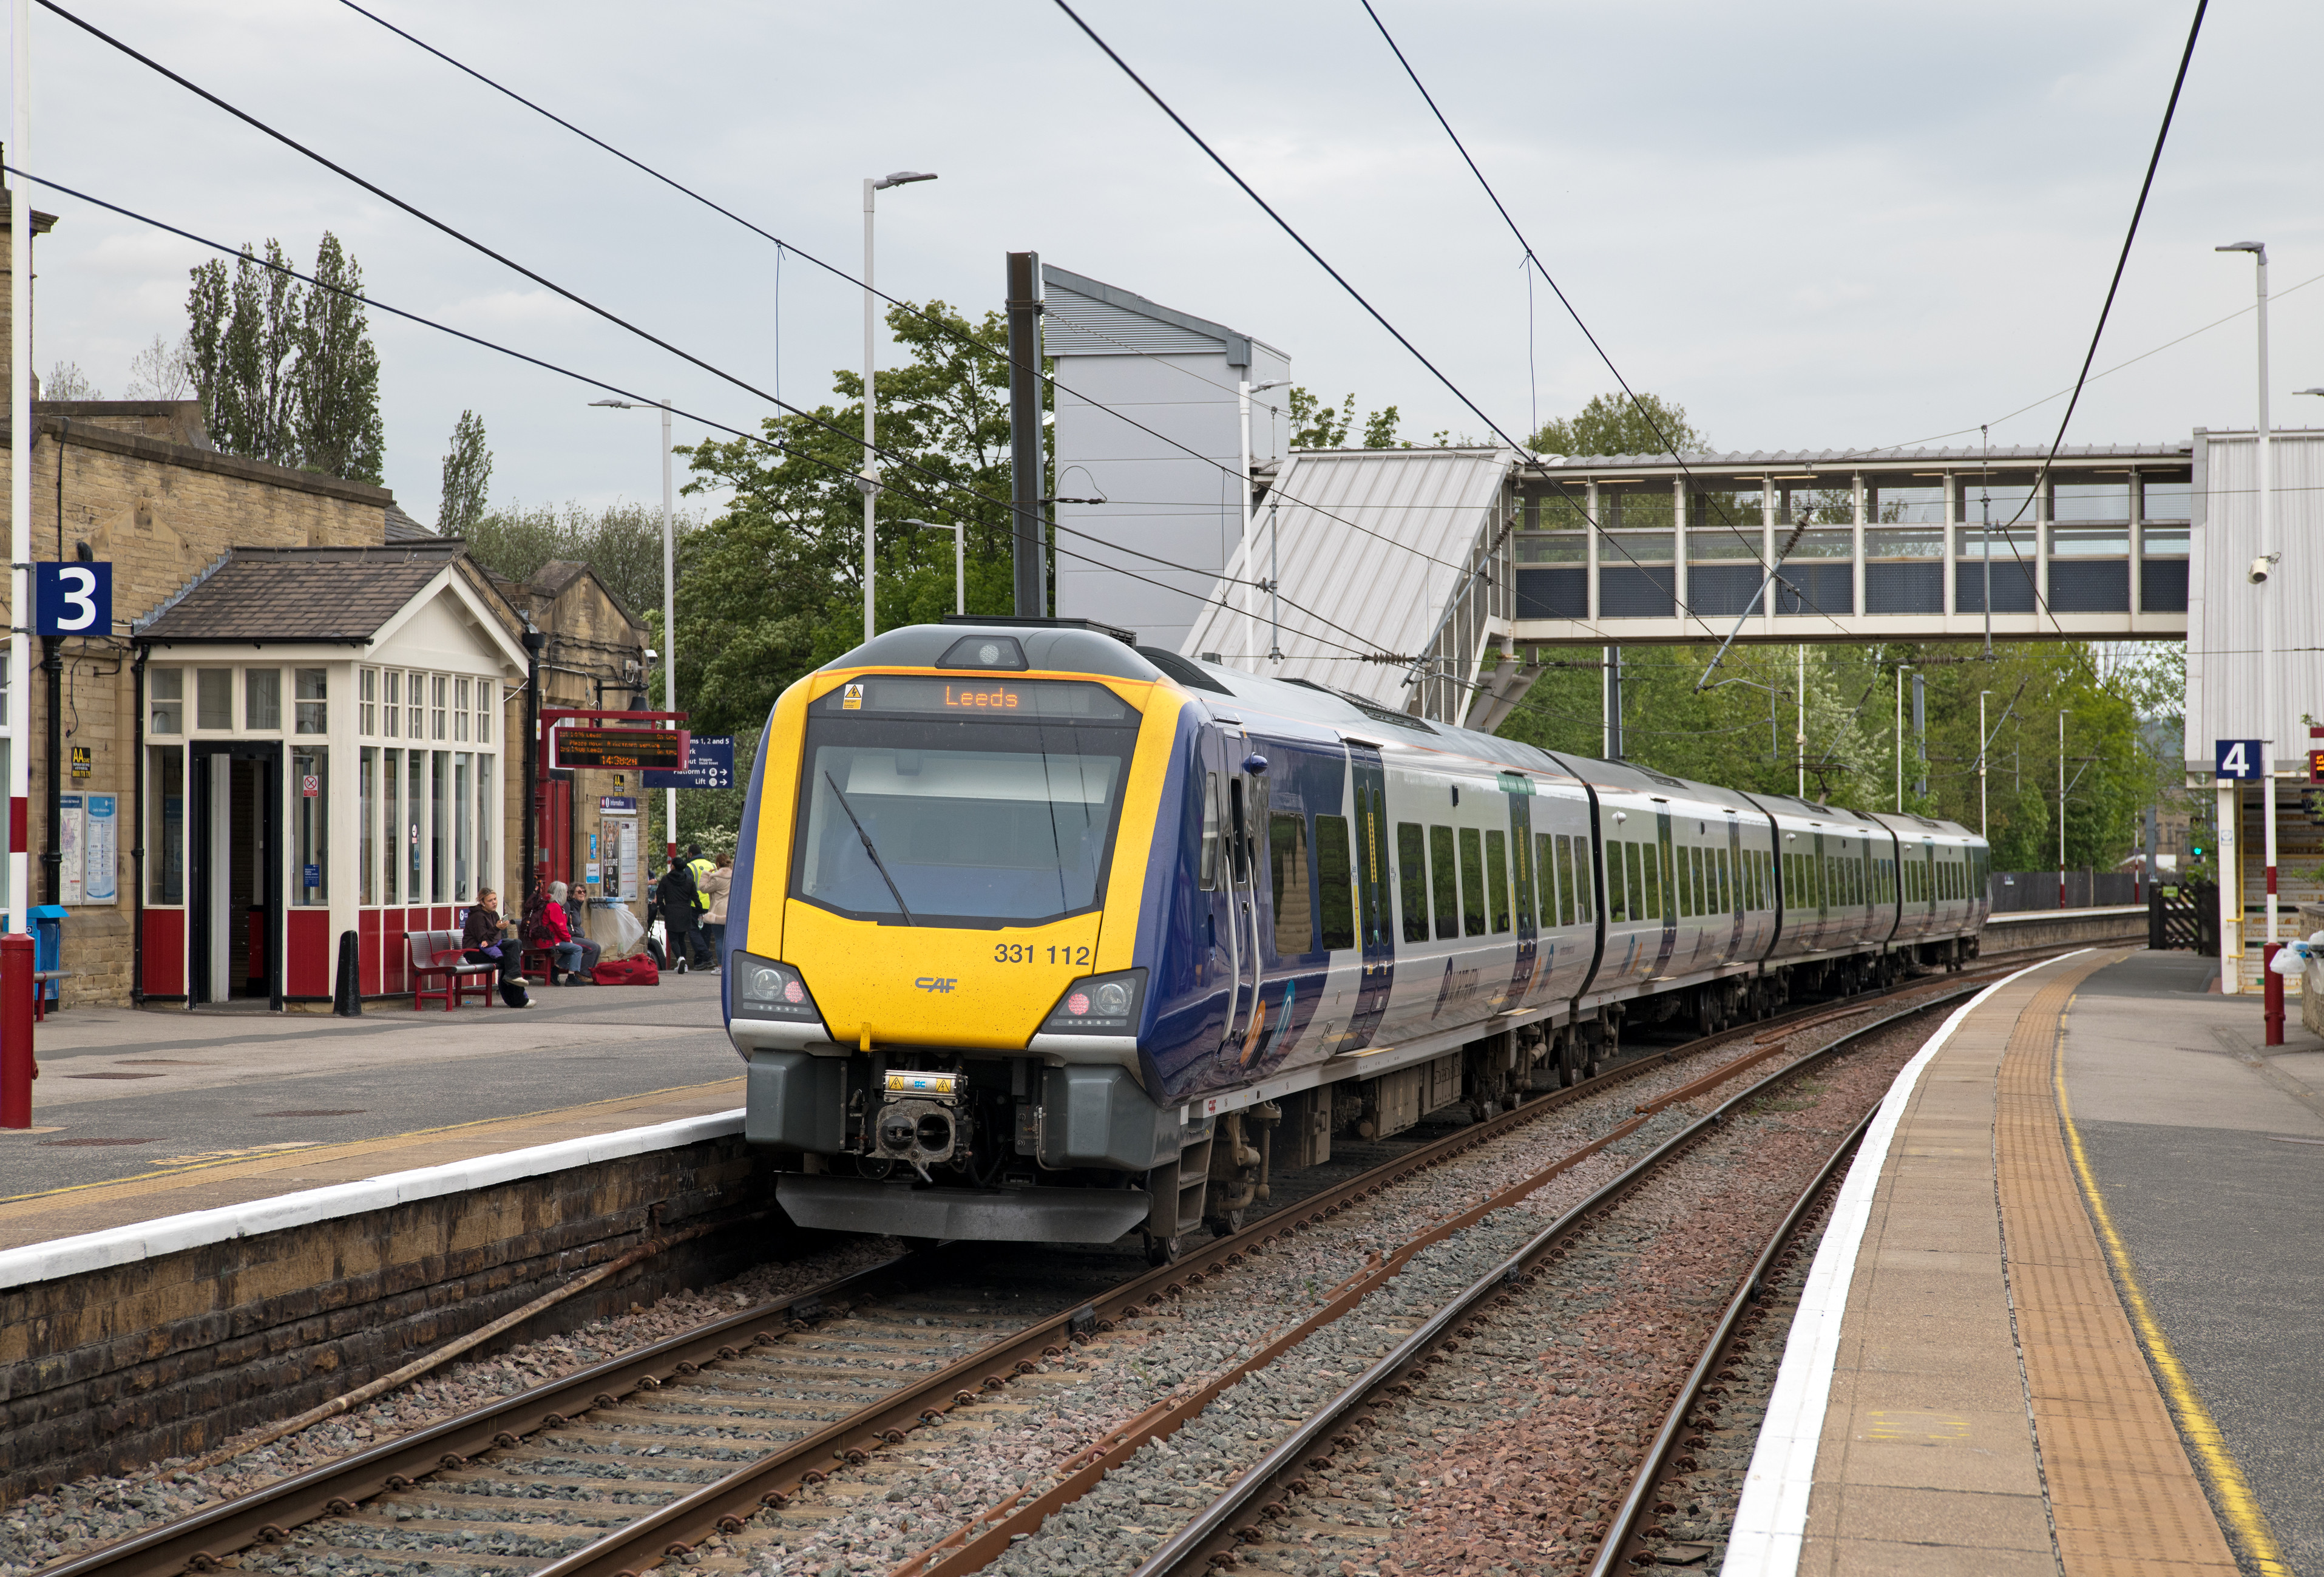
column 163, row 948
column 395, row 962
column 367, row 951
column 442, row 920
column 307, row 953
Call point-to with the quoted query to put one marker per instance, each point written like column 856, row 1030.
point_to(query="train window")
column 1472, row 882
column 1521, row 875
column 1545, row 864
column 1335, row 882
column 1442, row 883
column 1683, row 857
column 1210, row 856
column 1725, row 877
column 1496, row 878
column 1697, row 858
column 1617, row 903
column 1656, row 907
column 1579, row 900
column 1412, row 878
column 1287, row 875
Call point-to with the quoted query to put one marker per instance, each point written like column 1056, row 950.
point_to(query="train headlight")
column 764, row 988
column 1099, row 1004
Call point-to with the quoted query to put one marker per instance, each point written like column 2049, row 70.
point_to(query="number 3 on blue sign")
column 73, row 599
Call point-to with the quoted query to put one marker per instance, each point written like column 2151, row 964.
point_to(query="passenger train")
column 1038, row 934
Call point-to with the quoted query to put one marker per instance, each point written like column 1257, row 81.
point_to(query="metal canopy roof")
column 1760, row 459
column 1377, row 542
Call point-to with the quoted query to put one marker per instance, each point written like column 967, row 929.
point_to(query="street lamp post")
column 2265, row 483
column 1981, row 742
column 959, row 529
column 870, row 480
column 668, row 608
column 2061, row 811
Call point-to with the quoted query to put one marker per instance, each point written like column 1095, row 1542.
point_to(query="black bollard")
column 346, row 991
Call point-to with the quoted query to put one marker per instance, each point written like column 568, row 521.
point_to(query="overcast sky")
column 1814, row 225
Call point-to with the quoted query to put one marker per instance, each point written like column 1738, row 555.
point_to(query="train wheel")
column 1224, row 1225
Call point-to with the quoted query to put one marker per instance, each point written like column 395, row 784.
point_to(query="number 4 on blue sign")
column 2236, row 758
column 73, row 599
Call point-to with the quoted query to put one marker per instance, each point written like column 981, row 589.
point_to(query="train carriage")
column 1042, row 936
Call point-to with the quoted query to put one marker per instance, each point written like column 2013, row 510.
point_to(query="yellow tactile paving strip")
column 1991, row 1407
column 2123, row 1498
column 42, row 1218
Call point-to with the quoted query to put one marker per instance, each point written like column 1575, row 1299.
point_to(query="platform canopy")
column 1386, row 557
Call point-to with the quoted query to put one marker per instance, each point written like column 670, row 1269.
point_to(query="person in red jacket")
column 577, row 955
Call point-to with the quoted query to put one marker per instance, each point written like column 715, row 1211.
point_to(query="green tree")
column 336, row 380
column 1613, row 424
column 1316, row 424
column 621, row 541
column 773, row 586
column 286, row 374
column 467, row 476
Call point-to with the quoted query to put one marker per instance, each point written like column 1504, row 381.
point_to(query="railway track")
column 663, row 1454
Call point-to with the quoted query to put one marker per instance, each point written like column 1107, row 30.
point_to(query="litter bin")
column 47, row 944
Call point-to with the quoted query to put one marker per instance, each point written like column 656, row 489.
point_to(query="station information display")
column 659, row 750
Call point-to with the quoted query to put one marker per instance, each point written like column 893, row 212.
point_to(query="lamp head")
column 614, row 404
column 2258, row 248
column 902, row 177
column 2308, row 391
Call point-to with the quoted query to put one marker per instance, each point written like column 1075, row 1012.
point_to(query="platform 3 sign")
column 73, row 599
column 2236, row 758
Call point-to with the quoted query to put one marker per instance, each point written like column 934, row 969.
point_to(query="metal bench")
column 437, row 957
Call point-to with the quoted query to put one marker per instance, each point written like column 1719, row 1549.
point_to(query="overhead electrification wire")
column 1534, row 258
column 1337, row 277
column 710, row 422
column 935, row 322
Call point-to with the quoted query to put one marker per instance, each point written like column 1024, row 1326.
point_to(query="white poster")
column 68, row 839
column 101, row 850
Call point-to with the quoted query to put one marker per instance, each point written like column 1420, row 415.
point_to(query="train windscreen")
column 989, row 802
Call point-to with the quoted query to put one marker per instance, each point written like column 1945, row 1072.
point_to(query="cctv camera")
column 2258, row 573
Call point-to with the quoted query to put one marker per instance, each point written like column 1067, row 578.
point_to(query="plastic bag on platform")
column 623, row 933
column 2290, row 959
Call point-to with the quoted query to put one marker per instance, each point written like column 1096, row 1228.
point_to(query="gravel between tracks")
column 77, row 1517
column 864, row 1520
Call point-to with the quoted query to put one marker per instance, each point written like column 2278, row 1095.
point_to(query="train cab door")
column 1243, row 818
column 1375, row 919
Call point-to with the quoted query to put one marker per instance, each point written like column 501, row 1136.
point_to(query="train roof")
column 1081, row 646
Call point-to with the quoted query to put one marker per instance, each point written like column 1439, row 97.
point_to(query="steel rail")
column 1623, row 1538
column 1225, row 1521
column 265, row 1515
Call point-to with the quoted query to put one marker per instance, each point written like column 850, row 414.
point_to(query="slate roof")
column 402, row 528
column 299, row 596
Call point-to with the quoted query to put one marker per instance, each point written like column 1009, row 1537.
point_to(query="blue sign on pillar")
column 73, row 599
column 2236, row 758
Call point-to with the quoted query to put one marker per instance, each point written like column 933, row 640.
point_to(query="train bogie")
column 1046, row 936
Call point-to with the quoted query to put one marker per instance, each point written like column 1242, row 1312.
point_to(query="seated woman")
column 483, row 939
column 575, row 956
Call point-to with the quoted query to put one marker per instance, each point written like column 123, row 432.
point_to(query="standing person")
column 485, row 939
column 721, row 879
column 577, row 955
column 700, row 868
column 675, row 893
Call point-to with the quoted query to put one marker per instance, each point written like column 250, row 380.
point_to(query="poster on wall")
column 101, row 849
column 70, row 828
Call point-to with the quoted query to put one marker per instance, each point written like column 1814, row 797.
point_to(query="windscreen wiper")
column 876, row 864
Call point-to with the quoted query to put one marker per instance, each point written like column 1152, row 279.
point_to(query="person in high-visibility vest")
column 700, row 869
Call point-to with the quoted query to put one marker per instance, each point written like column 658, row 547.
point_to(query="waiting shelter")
column 322, row 751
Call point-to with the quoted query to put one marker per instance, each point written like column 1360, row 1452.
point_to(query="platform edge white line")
column 1771, row 1517
column 169, row 1234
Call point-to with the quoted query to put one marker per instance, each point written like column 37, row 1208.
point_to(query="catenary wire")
column 897, row 456
column 782, row 246
column 1338, row 279
column 711, row 423
column 1534, row 258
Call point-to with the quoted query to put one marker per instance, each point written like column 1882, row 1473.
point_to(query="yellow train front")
column 932, row 967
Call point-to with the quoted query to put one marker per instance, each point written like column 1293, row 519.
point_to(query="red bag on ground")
column 637, row 970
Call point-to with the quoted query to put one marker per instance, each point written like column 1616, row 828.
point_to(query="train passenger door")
column 1246, row 817
column 1375, row 919
column 1664, row 848
column 1519, row 792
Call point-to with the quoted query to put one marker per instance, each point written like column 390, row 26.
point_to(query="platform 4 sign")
column 618, row 748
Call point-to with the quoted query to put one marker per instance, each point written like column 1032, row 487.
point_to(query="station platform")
column 141, row 1115
column 2067, row 1314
